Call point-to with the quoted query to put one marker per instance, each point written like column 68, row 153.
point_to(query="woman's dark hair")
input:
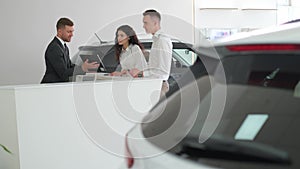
column 132, row 39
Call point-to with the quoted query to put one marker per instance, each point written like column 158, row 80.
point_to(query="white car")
column 239, row 108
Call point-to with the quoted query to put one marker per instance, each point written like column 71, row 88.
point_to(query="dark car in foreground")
column 243, row 113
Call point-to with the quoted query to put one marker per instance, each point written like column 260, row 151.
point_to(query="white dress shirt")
column 160, row 57
column 132, row 57
column 61, row 41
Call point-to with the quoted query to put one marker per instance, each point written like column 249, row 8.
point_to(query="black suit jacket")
column 59, row 67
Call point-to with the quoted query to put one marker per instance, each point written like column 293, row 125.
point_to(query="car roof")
column 143, row 38
column 280, row 34
column 145, row 41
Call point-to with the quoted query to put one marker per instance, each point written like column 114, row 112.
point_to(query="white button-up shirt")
column 160, row 57
column 61, row 41
column 132, row 57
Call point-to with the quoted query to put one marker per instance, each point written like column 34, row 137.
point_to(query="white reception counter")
column 71, row 125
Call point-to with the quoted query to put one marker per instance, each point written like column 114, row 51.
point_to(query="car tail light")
column 128, row 155
column 264, row 47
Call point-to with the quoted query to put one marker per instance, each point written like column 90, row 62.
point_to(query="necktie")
column 66, row 50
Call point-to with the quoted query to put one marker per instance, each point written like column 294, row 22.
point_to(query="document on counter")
column 100, row 76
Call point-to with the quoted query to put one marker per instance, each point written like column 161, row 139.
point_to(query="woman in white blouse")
column 129, row 51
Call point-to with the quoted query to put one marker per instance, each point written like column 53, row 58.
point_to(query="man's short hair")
column 62, row 22
column 152, row 13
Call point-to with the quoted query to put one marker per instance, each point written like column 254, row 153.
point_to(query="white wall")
column 235, row 13
column 288, row 10
column 28, row 26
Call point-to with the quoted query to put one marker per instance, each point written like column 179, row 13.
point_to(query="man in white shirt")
column 160, row 57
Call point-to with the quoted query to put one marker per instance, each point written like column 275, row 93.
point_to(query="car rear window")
column 266, row 70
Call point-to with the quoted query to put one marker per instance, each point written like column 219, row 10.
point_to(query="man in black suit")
column 59, row 67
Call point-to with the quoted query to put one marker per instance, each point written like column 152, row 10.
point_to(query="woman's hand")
column 115, row 74
column 136, row 72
